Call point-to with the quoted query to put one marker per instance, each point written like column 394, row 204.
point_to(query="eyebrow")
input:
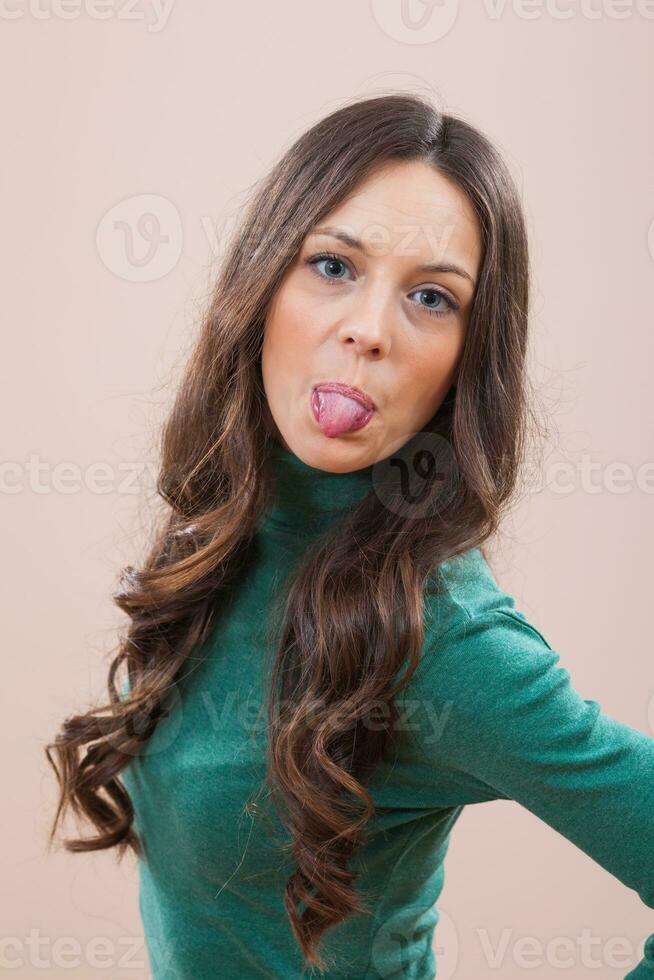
column 353, row 242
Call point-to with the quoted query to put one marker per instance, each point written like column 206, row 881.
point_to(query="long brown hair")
column 337, row 644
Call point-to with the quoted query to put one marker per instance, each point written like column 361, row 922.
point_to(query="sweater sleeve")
column 515, row 722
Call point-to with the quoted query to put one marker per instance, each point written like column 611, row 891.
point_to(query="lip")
column 356, row 393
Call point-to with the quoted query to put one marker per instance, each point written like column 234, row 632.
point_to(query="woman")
column 321, row 668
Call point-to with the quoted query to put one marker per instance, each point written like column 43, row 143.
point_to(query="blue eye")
column 331, row 259
column 441, row 305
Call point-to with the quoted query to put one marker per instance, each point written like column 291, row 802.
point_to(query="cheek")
column 290, row 331
column 427, row 373
column 286, row 348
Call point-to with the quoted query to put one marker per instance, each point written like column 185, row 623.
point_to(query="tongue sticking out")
column 337, row 414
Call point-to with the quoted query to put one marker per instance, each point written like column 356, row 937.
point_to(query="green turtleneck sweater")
column 489, row 714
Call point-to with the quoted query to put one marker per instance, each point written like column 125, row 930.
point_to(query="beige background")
column 114, row 112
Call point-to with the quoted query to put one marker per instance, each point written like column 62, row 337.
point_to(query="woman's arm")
column 514, row 721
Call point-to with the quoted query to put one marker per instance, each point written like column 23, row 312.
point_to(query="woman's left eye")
column 440, row 303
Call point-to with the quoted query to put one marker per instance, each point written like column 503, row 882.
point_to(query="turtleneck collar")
column 307, row 499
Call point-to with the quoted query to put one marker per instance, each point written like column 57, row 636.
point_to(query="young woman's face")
column 371, row 316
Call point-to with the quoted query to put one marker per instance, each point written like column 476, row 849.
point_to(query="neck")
column 308, row 500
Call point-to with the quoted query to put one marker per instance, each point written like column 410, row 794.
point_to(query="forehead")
column 408, row 208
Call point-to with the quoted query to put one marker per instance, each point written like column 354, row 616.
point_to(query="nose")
column 367, row 324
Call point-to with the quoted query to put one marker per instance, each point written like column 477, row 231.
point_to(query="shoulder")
column 475, row 635
column 492, row 677
column 464, row 590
